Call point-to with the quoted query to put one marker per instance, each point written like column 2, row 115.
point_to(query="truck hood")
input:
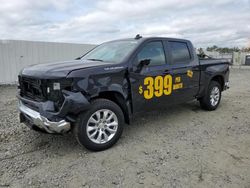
column 58, row 69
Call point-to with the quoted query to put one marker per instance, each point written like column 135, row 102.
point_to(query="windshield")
column 114, row 51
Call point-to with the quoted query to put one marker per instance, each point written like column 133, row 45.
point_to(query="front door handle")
column 166, row 71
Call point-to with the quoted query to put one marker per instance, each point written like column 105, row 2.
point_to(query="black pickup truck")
column 96, row 94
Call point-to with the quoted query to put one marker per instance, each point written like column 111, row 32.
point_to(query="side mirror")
column 144, row 62
column 141, row 64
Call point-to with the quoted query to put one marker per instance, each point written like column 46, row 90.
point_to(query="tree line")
column 227, row 50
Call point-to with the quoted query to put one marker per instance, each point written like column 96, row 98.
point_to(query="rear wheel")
column 212, row 98
column 101, row 126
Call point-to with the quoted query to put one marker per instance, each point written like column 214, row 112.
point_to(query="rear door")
column 184, row 67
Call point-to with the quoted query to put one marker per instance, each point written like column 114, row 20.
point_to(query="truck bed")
column 214, row 61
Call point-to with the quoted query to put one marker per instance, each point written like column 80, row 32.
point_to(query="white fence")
column 15, row 55
column 215, row 54
column 238, row 58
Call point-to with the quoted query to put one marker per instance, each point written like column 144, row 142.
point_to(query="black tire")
column 205, row 101
column 80, row 127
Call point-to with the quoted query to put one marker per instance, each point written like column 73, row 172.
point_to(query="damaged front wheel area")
column 101, row 126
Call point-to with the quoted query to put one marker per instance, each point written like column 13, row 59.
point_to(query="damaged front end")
column 49, row 105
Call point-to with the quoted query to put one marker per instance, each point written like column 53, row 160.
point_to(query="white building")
column 17, row 54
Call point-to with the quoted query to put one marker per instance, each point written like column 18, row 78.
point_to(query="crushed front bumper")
column 43, row 117
column 32, row 118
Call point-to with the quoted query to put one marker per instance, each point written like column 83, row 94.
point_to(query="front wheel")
column 212, row 98
column 101, row 126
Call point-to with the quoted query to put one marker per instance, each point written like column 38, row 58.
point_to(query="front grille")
column 31, row 88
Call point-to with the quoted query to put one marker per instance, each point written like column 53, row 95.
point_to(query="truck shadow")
column 151, row 115
column 60, row 145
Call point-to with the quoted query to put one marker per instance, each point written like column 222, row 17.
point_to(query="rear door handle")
column 195, row 68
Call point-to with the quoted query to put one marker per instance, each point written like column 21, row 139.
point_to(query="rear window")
column 179, row 52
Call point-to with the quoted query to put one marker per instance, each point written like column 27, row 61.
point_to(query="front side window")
column 113, row 52
column 180, row 53
column 154, row 52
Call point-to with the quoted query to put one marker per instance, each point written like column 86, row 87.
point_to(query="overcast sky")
column 207, row 22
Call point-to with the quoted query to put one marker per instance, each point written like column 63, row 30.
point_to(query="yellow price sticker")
column 177, row 86
column 190, row 73
column 177, row 79
column 156, row 87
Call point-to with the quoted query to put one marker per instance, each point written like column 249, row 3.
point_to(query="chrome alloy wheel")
column 102, row 126
column 215, row 96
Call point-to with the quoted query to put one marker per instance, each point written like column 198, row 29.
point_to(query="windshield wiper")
column 95, row 59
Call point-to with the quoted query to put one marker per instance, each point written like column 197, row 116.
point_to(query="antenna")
column 138, row 36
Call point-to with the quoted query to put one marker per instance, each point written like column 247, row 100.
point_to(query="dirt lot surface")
column 182, row 146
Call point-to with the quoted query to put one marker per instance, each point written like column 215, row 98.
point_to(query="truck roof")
column 142, row 39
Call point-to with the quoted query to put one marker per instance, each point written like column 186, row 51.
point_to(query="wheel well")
column 220, row 80
column 119, row 100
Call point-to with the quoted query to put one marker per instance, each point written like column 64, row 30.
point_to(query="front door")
column 151, row 84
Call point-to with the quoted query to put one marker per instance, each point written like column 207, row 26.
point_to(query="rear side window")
column 179, row 52
column 153, row 51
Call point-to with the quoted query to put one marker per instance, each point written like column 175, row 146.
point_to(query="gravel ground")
column 182, row 146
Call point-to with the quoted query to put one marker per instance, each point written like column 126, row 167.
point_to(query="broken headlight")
column 54, row 90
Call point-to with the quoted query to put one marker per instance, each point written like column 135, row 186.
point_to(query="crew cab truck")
column 96, row 94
